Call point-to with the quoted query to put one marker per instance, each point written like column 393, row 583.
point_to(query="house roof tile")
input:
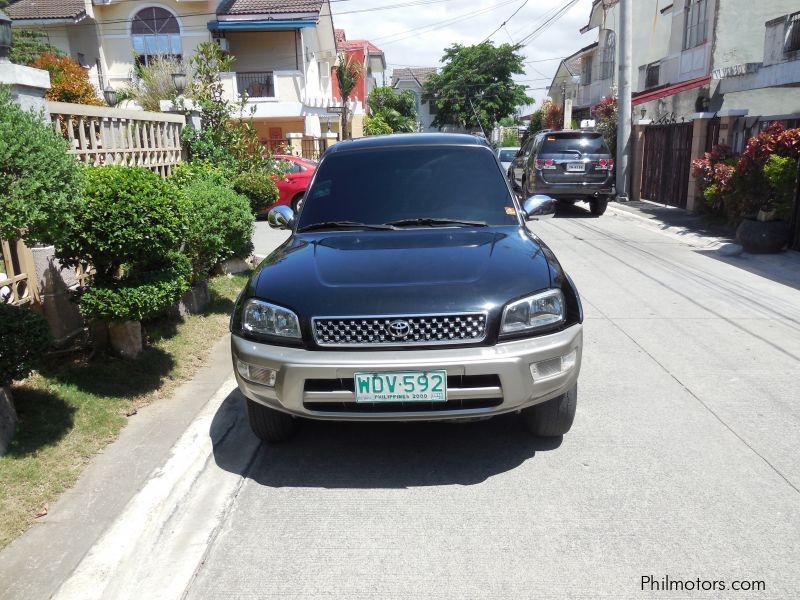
column 45, row 9
column 418, row 73
column 265, row 7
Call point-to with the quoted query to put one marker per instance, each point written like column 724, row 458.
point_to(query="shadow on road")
column 375, row 455
column 579, row 210
column 782, row 268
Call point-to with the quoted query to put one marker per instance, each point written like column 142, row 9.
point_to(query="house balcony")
column 591, row 95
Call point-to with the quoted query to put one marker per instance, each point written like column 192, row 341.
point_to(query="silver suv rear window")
column 571, row 142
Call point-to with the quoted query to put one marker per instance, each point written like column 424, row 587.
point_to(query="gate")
column 312, row 148
column 667, row 160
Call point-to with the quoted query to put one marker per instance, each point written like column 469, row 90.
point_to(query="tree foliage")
column 376, row 125
column 398, row 111
column 607, row 115
column 28, row 45
column 69, row 81
column 475, row 87
column 348, row 74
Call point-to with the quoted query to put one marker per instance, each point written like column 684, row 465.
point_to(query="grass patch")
column 71, row 411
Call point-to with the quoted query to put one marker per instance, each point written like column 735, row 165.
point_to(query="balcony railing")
column 256, row 84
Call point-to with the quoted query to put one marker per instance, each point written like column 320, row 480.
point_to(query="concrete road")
column 682, row 464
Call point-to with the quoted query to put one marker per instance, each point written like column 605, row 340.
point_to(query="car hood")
column 402, row 272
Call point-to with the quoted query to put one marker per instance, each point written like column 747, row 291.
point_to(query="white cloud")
column 425, row 47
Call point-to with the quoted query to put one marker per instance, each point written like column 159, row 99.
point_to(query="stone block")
column 195, row 300
column 126, row 338
column 232, row 266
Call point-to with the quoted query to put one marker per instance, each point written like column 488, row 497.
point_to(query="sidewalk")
column 695, row 231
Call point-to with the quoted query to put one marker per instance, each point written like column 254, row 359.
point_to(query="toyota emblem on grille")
column 399, row 328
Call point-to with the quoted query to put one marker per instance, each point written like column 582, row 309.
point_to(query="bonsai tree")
column 26, row 337
column 348, row 74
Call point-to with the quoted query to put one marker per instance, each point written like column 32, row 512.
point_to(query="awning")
column 669, row 90
column 260, row 25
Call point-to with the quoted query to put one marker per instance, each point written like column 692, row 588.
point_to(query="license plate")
column 401, row 386
column 576, row 167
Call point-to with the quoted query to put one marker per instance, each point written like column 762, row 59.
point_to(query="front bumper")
column 508, row 362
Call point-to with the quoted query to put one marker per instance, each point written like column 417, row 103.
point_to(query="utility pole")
column 624, row 147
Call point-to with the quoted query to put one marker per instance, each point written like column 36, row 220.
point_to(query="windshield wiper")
column 341, row 225
column 433, row 222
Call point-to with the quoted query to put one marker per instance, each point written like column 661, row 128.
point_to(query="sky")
column 405, row 35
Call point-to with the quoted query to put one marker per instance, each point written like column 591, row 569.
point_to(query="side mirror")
column 538, row 208
column 281, row 217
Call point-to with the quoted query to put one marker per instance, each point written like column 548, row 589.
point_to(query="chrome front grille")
column 400, row 330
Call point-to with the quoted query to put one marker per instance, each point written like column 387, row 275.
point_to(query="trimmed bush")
column 258, row 187
column 138, row 297
column 185, row 174
column 130, row 228
column 26, row 337
column 130, row 217
column 40, row 184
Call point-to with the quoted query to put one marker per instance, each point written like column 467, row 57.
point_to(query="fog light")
column 256, row 374
column 554, row 366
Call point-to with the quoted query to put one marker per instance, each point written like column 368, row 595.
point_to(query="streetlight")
column 179, row 81
column 5, row 37
column 110, row 95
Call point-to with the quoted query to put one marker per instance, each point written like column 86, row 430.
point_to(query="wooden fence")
column 17, row 274
column 110, row 136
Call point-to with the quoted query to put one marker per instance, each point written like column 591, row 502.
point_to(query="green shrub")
column 138, row 296
column 185, row 174
column 40, row 184
column 376, row 125
column 781, row 174
column 130, row 217
column 258, row 187
column 26, row 337
column 219, row 226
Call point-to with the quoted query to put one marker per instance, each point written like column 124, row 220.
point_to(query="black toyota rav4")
column 410, row 289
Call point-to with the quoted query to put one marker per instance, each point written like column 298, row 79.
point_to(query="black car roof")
column 409, row 139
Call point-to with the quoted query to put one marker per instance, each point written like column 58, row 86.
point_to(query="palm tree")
column 347, row 74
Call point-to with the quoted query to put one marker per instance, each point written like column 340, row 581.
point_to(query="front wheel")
column 296, row 202
column 598, row 205
column 554, row 417
column 269, row 424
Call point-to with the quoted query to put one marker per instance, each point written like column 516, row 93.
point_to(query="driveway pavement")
column 682, row 464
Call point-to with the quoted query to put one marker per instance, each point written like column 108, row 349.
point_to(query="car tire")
column 554, row 417
column 296, row 202
column 598, row 206
column 268, row 424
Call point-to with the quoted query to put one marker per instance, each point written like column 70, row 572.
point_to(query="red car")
column 299, row 172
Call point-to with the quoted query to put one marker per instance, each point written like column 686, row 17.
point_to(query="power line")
column 503, row 24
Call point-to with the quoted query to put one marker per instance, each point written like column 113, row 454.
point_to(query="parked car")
column 416, row 293
column 568, row 166
column 506, row 156
column 299, row 172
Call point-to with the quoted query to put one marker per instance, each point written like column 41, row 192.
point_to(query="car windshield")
column 508, row 154
column 580, row 142
column 388, row 185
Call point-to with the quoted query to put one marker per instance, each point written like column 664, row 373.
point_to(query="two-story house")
column 413, row 78
column 284, row 49
column 370, row 57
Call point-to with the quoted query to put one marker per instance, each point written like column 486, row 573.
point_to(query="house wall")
column 423, row 108
column 740, row 40
column 114, row 26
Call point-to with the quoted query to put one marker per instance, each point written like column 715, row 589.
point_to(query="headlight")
column 264, row 318
column 535, row 312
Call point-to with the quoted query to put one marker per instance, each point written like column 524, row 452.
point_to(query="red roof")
column 358, row 45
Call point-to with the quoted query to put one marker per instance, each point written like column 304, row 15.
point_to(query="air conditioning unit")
column 224, row 44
